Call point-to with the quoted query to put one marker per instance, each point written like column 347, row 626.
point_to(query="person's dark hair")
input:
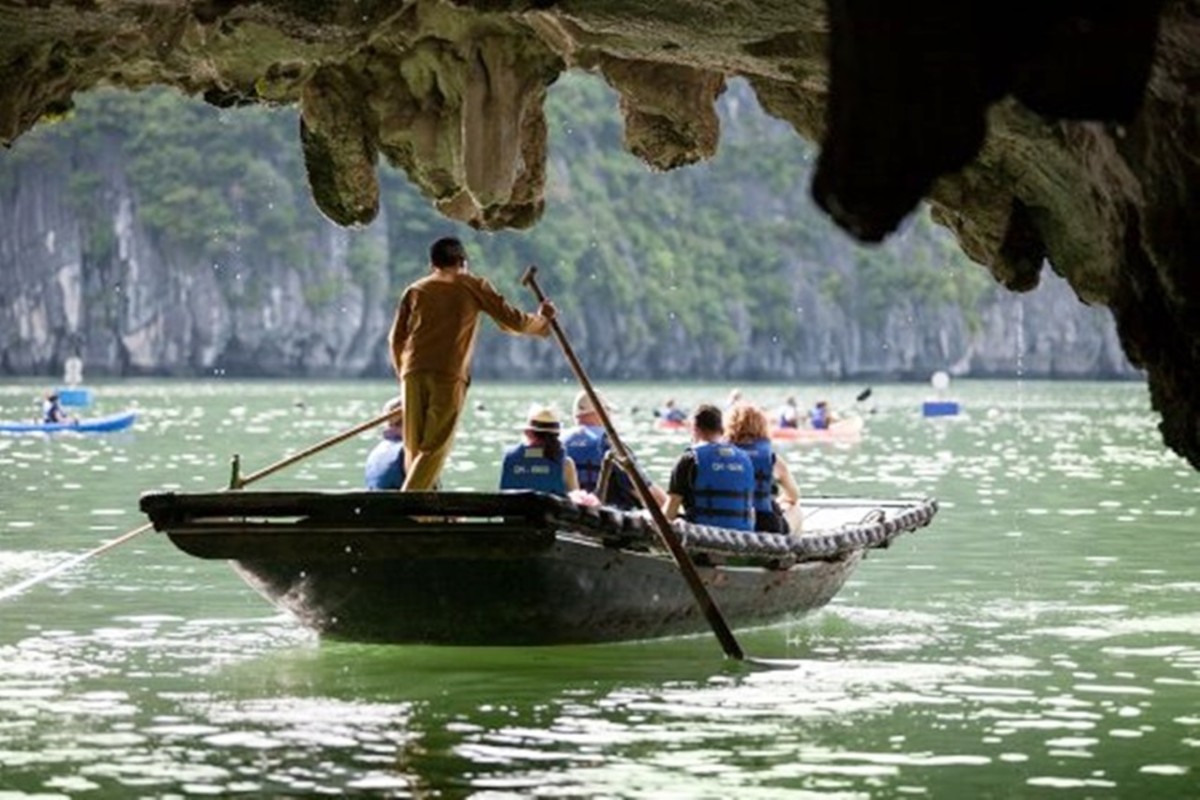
column 707, row 418
column 447, row 252
column 549, row 442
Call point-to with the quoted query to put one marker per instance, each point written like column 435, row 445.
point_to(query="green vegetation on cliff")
column 727, row 257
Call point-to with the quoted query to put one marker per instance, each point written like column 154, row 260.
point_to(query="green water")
column 1040, row 639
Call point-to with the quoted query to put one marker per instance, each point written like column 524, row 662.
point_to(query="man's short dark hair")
column 447, row 252
column 707, row 418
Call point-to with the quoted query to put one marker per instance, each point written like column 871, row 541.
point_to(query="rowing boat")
column 106, row 424
column 846, row 430
column 515, row 568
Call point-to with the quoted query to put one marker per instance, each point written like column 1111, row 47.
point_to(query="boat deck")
column 233, row 525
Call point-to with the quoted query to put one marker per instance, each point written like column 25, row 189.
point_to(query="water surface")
column 1040, row 639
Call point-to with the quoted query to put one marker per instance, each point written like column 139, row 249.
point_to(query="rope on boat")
column 876, row 529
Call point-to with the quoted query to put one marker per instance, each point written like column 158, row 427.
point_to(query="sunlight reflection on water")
column 1038, row 638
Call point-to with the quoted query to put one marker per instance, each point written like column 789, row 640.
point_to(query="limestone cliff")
column 228, row 290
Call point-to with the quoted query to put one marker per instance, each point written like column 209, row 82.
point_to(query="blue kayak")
column 111, row 422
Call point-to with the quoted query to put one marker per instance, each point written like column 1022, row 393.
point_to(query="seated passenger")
column 747, row 428
column 588, row 446
column 671, row 412
column 713, row 480
column 788, row 414
column 52, row 410
column 385, row 463
column 820, row 417
column 587, row 442
column 540, row 463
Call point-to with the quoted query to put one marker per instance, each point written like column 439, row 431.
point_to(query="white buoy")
column 939, row 407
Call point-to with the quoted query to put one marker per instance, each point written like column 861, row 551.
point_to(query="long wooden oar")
column 707, row 604
column 236, row 483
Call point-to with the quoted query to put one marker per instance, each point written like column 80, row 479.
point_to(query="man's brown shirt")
column 438, row 318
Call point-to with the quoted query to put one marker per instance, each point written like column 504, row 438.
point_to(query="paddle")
column 863, row 395
column 234, row 484
column 661, row 525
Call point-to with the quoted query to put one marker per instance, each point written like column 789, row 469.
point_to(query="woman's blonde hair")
column 746, row 423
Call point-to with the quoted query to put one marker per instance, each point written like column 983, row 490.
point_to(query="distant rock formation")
column 87, row 277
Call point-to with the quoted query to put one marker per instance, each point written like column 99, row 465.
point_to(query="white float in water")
column 939, row 407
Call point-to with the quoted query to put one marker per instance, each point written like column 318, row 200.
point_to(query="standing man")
column 432, row 339
column 713, row 480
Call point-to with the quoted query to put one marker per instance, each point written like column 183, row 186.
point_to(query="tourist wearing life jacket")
column 820, row 416
column 539, row 463
column 586, row 443
column 747, row 427
column 52, row 410
column 714, row 480
column 788, row 415
column 588, row 446
column 671, row 412
column 385, row 463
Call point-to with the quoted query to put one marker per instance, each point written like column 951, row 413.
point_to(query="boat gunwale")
column 480, row 521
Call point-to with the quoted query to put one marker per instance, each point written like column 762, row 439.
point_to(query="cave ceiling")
column 1047, row 134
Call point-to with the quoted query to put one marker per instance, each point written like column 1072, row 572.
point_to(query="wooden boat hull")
column 512, row 568
column 572, row 592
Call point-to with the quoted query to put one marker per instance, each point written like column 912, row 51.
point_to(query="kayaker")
column 788, row 415
column 820, row 417
column 714, row 480
column 52, row 410
column 747, row 427
column 588, row 446
column 385, row 463
column 540, row 463
column 432, row 340
column 671, row 412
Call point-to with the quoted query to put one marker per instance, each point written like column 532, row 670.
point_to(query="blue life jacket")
column 763, row 459
column 385, row 465
column 586, row 445
column 621, row 493
column 723, row 494
column 819, row 418
column 527, row 467
column 674, row 414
